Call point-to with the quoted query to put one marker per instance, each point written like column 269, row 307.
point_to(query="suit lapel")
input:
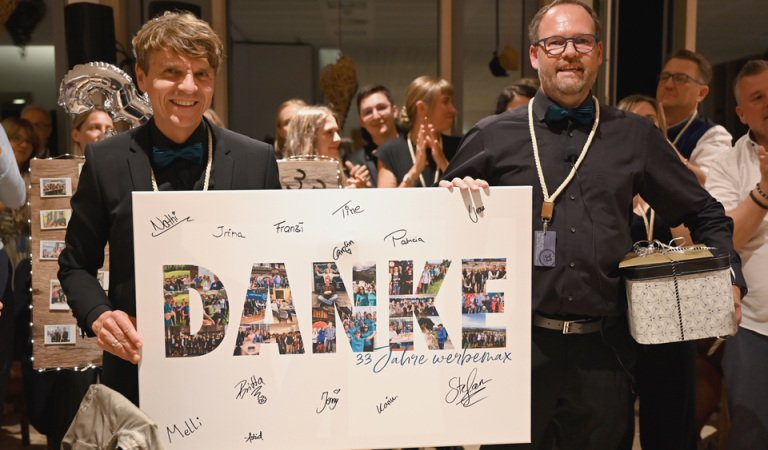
column 223, row 165
column 138, row 161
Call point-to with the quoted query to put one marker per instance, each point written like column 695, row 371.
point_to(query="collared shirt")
column 181, row 175
column 592, row 214
column 730, row 180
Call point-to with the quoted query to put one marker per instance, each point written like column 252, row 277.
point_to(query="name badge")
column 544, row 248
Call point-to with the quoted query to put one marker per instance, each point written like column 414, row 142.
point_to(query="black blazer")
column 102, row 212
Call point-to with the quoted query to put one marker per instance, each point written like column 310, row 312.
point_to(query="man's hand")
column 465, row 183
column 1, row 308
column 116, row 332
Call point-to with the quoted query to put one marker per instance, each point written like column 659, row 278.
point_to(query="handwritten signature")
column 346, row 248
column 190, row 427
column 329, row 401
column 168, row 222
column 228, row 233
column 347, row 210
column 382, row 406
column 402, row 237
column 473, row 212
column 252, row 437
column 251, row 387
column 462, row 393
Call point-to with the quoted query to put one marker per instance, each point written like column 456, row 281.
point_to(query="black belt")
column 577, row 326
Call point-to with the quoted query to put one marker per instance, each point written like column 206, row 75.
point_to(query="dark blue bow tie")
column 583, row 114
column 163, row 156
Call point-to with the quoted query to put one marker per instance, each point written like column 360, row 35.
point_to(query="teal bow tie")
column 162, row 156
column 583, row 115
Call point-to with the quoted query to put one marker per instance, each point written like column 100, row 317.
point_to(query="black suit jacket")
column 102, row 212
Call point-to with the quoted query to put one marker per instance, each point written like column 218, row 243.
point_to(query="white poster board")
column 228, row 376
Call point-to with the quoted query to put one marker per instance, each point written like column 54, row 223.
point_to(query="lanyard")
column 548, row 205
column 207, row 167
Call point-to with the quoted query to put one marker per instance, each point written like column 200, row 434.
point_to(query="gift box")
column 678, row 294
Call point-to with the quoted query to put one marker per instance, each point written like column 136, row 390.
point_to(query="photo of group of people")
column 55, row 219
column 178, row 280
column 476, row 272
column 250, row 338
column 364, row 284
column 478, row 303
column 59, row 334
column 182, row 344
column 55, row 187
column 58, row 299
column 400, row 277
column 483, row 303
column 432, row 277
column 51, row 249
column 268, row 288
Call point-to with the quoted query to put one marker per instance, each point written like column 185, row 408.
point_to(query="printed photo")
column 57, row 297
column 329, row 291
column 55, row 187
column 475, row 273
column 435, row 334
column 51, row 249
column 55, row 219
column 432, row 276
column 483, row 303
column 477, row 334
column 60, row 334
column 364, row 287
column 179, row 342
column 401, row 334
column 400, row 277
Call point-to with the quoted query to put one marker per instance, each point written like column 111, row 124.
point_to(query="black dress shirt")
column 181, row 174
column 592, row 214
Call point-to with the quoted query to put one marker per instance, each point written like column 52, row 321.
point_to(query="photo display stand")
column 335, row 319
column 58, row 341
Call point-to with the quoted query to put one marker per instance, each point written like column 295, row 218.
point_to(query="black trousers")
column 121, row 376
column 581, row 396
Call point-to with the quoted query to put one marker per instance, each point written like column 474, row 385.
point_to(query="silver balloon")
column 121, row 99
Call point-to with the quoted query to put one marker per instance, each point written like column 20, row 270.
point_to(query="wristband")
column 407, row 180
column 754, row 199
column 760, row 191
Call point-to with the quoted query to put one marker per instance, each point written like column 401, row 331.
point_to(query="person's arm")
column 13, row 192
column 79, row 263
column 710, row 146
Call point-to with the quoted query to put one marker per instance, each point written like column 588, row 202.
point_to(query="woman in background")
column 314, row 132
column 88, row 127
column 417, row 158
column 285, row 113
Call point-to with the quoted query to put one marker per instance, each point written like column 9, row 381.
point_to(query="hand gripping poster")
column 335, row 319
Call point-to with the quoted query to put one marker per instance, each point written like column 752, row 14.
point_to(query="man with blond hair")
column 177, row 57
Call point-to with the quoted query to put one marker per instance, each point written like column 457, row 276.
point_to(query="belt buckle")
column 567, row 326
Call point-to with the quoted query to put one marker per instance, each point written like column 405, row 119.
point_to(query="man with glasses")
column 585, row 162
column 377, row 114
column 739, row 179
column 682, row 86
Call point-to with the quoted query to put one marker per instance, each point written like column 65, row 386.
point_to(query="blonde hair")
column 12, row 125
column 180, row 32
column 629, row 102
column 302, row 132
column 279, row 139
column 426, row 89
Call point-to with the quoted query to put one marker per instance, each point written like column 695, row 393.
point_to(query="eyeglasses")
column 555, row 45
column 678, row 78
column 22, row 140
